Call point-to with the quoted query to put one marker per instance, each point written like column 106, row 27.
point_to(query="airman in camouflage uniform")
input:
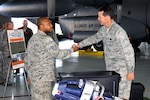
column 119, row 53
column 41, row 54
column 5, row 51
column 1, row 57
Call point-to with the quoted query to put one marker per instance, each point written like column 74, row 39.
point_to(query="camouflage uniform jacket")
column 41, row 54
column 4, row 45
column 117, row 47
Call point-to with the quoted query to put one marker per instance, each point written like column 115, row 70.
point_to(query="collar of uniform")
column 110, row 25
column 41, row 32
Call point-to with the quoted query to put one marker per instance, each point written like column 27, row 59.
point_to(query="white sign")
column 17, row 47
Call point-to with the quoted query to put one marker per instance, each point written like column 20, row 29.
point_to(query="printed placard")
column 17, row 47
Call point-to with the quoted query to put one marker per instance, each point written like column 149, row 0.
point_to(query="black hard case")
column 137, row 91
column 109, row 79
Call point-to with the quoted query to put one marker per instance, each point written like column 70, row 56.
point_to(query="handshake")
column 75, row 47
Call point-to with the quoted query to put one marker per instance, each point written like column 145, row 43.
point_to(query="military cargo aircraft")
column 78, row 18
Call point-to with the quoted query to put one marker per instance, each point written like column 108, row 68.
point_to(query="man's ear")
column 107, row 16
column 41, row 26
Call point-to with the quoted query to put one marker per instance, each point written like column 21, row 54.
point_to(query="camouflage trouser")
column 124, row 85
column 1, row 67
column 41, row 90
column 6, row 67
column 120, row 67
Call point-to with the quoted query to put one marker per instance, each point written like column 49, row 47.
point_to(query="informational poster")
column 17, row 47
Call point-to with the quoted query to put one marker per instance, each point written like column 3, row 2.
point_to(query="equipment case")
column 137, row 90
column 109, row 79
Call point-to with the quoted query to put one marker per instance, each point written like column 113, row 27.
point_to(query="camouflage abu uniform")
column 1, row 57
column 5, row 54
column 39, row 62
column 119, row 53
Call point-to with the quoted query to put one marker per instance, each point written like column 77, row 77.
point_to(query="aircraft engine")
column 34, row 8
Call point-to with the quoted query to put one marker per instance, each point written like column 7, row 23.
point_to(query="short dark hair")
column 107, row 11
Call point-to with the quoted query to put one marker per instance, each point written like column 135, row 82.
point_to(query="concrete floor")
column 84, row 63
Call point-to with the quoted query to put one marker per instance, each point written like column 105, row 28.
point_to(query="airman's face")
column 101, row 18
column 48, row 27
column 10, row 26
column 25, row 23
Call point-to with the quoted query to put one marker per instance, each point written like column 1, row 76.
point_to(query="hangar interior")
column 134, row 18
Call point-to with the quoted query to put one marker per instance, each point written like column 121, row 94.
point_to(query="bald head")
column 41, row 20
column 44, row 24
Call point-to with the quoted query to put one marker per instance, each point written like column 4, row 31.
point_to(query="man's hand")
column 130, row 76
column 75, row 47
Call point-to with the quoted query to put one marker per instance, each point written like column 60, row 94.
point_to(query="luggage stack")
column 109, row 79
column 79, row 90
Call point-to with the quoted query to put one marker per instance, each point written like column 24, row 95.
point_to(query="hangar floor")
column 83, row 63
